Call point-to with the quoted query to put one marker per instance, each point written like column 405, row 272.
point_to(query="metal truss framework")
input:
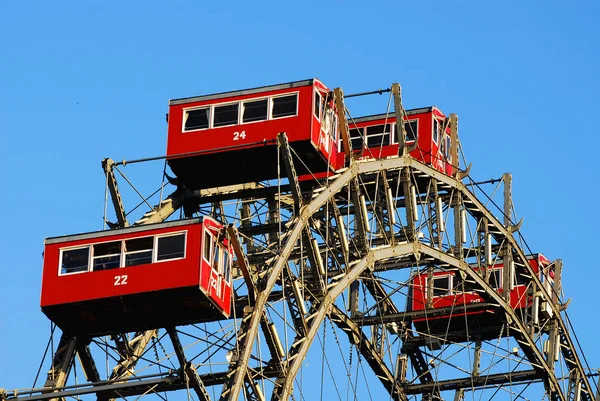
column 346, row 236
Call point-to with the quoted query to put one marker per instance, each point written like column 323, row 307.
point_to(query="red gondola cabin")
column 454, row 305
column 230, row 138
column 376, row 137
column 138, row 277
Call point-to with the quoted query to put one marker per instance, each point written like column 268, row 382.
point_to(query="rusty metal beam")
column 111, row 181
column 187, row 368
column 338, row 93
column 61, row 363
column 475, row 382
column 285, row 154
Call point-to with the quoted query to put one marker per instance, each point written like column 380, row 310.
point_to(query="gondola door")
column 210, row 280
column 224, row 269
column 215, row 271
column 326, row 117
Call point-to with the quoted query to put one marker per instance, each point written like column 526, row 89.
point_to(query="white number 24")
column 237, row 135
column 121, row 280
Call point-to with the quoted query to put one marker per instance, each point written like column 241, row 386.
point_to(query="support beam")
column 342, row 232
column 409, row 205
column 295, row 303
column 551, row 347
column 138, row 386
column 189, row 371
column 476, row 359
column 274, row 219
column 87, row 362
column 165, row 208
column 253, row 391
column 216, row 210
column 61, row 363
column 459, row 395
column 386, row 215
column 285, row 154
column 454, row 159
column 507, row 254
column 378, row 338
column 429, row 288
column 111, row 182
column 401, row 368
column 485, row 247
column 137, row 345
column 459, row 224
column 242, row 262
column 471, row 383
column 317, row 265
column 361, row 219
column 436, row 215
column 353, row 298
column 557, row 294
column 246, row 222
column 338, row 93
column 400, row 113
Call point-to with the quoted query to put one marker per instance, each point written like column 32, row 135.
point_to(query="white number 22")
column 121, row 280
column 237, row 135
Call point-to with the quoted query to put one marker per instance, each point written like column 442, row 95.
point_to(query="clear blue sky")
column 80, row 81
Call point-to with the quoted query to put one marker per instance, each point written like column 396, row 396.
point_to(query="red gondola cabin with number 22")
column 139, row 277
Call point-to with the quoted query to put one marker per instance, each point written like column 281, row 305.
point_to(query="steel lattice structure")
column 323, row 274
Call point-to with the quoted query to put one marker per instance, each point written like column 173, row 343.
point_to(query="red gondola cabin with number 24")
column 237, row 132
column 139, row 277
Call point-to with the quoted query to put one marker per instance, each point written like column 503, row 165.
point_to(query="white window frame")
column 366, row 136
column 448, row 290
column 212, row 120
column 240, row 103
column 324, row 128
column 219, row 253
column 186, row 110
column 448, row 146
column 93, row 255
column 454, row 292
column 297, row 93
column 393, row 131
column 212, row 243
column 317, row 92
column 155, row 249
column 333, row 133
column 362, row 138
column 405, row 122
column 500, row 282
column 434, row 131
column 124, row 253
column 250, row 100
column 72, row 248
column 229, row 266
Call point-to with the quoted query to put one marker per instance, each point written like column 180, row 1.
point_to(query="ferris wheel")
column 316, row 255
